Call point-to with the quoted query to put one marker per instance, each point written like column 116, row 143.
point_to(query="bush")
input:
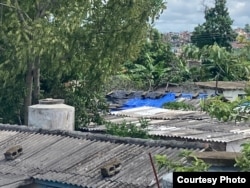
column 128, row 129
column 178, row 106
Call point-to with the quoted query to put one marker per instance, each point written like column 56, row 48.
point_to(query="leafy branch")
column 190, row 163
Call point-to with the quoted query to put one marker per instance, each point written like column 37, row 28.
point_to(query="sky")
column 185, row 15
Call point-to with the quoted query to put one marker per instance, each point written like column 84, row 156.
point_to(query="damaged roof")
column 122, row 99
column 181, row 125
column 76, row 158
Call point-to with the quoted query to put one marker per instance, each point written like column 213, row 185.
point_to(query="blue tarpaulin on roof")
column 169, row 97
column 132, row 103
column 203, row 96
column 186, row 95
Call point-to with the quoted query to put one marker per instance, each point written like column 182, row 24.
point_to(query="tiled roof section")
column 75, row 158
column 185, row 127
column 224, row 85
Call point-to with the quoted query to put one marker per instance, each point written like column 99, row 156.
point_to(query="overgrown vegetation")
column 189, row 163
column 243, row 162
column 128, row 129
column 178, row 106
column 236, row 111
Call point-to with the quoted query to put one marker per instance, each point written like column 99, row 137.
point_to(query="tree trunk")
column 36, row 76
column 28, row 96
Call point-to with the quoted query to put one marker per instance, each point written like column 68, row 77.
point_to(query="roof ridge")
column 106, row 137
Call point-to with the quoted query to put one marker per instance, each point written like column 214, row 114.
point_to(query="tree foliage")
column 243, row 161
column 156, row 63
column 218, row 64
column 125, row 129
column 178, row 106
column 247, row 28
column 217, row 27
column 189, row 163
column 46, row 43
column 237, row 110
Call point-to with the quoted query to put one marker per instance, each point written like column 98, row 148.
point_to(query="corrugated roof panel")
column 128, row 175
column 12, row 181
column 76, row 158
column 5, row 135
column 160, row 113
column 187, row 124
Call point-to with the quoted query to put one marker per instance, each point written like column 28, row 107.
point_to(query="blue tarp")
column 169, row 97
column 203, row 96
column 132, row 103
column 186, row 95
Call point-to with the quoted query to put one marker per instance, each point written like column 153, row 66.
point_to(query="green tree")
column 219, row 64
column 156, row 63
column 217, row 27
column 247, row 28
column 45, row 43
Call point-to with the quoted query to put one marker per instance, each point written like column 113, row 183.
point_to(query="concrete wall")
column 233, row 94
column 229, row 94
column 235, row 146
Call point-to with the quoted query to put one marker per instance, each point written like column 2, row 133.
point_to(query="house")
column 230, row 90
column 59, row 158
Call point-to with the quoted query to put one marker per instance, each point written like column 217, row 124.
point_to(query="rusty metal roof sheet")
column 75, row 158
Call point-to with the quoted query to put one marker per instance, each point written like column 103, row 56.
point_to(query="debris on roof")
column 120, row 100
column 111, row 168
column 13, row 152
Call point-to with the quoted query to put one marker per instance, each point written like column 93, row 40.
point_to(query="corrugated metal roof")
column 190, row 125
column 75, row 158
column 160, row 113
column 12, row 181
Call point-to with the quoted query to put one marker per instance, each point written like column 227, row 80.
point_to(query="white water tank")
column 52, row 114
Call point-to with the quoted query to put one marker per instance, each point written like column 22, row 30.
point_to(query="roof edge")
column 107, row 138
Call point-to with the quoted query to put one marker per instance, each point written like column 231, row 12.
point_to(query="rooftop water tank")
column 52, row 114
